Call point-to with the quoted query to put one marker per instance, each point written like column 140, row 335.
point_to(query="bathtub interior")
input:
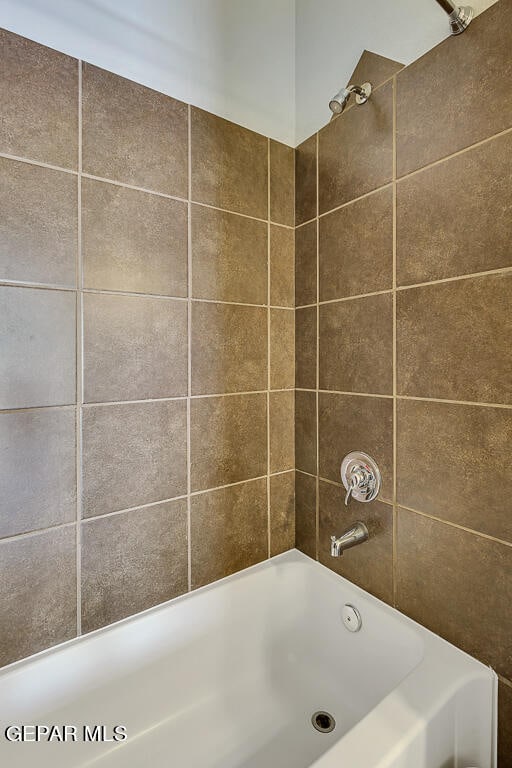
column 228, row 677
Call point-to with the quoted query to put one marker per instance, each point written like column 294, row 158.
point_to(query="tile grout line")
column 130, row 294
column 189, row 349
column 394, row 563
column 147, row 505
column 317, row 360
column 269, row 525
column 79, row 368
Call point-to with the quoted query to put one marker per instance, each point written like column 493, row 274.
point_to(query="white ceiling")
column 331, row 35
column 270, row 65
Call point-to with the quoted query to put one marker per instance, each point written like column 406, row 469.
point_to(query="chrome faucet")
column 355, row 535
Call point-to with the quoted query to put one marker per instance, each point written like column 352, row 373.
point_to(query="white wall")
column 231, row 57
column 332, row 34
column 270, row 65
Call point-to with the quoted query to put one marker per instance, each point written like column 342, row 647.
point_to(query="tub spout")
column 351, row 538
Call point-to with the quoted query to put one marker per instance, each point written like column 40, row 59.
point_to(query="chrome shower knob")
column 360, row 476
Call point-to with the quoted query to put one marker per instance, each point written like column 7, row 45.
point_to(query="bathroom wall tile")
column 133, row 241
column 356, row 345
column 38, row 607
column 282, row 260
column 133, row 453
column 38, row 88
column 374, row 68
column 134, row 348
column 305, row 264
column 229, row 348
column 305, row 180
column 37, row 347
column 305, row 431
column 228, row 530
column 132, row 561
column 282, row 348
column 504, row 725
column 282, row 513
column 229, row 165
column 228, row 439
column 38, row 228
column 229, row 257
column 37, row 469
column 448, row 344
column 456, row 584
column 355, row 151
column 370, row 566
column 351, row 422
column 282, row 183
column 456, row 447
column 305, row 347
column 454, row 218
column 454, row 95
column 305, row 514
column 356, row 247
column 133, row 134
column 282, row 432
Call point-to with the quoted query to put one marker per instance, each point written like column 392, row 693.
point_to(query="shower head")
column 338, row 102
column 459, row 17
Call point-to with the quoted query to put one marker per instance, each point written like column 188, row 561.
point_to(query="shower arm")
column 460, row 17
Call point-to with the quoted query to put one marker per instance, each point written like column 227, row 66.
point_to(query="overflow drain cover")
column 323, row 722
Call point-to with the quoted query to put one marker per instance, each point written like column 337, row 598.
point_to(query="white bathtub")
column 229, row 677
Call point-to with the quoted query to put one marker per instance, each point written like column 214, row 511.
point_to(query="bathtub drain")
column 323, row 722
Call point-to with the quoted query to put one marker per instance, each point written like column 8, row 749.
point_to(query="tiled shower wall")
column 147, row 347
column 404, row 339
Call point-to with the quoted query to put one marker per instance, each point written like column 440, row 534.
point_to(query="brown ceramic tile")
column 229, row 257
column 282, row 259
column 305, row 347
column 504, row 725
column 38, row 607
column 447, row 340
column 37, row 347
column 229, row 348
column 37, row 469
column 282, row 513
column 348, row 423
column 456, row 447
column 229, row 165
column 305, row 180
column 228, row 530
column 370, row 566
column 228, row 439
column 282, row 183
column 38, row 228
column 134, row 348
column 305, row 514
column 374, row 68
column 133, row 454
column 454, row 218
column 356, row 247
column 133, row 241
column 282, row 348
column 355, row 151
column 305, row 264
column 305, row 431
column 132, row 561
column 39, row 97
column 356, row 345
column 133, row 134
column 466, row 75
column 456, row 584
column 282, row 440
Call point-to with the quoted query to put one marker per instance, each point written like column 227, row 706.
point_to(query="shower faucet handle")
column 361, row 477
